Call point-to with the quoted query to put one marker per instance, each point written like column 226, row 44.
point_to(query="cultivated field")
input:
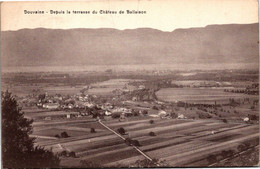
column 106, row 87
column 199, row 95
column 179, row 142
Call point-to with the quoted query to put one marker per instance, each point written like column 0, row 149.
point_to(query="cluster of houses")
column 85, row 104
column 65, row 102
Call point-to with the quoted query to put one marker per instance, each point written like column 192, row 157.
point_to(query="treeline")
column 245, row 91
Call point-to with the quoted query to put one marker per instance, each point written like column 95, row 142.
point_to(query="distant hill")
column 234, row 43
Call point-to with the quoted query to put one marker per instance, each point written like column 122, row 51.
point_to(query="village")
column 81, row 104
column 122, row 103
column 115, row 121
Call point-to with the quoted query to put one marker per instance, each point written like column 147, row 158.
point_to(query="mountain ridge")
column 215, row 44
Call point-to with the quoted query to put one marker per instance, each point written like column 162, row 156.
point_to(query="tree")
column 41, row 97
column 241, row 147
column 89, row 164
column 72, row 154
column 212, row 158
column 63, row 153
column 64, row 134
column 151, row 121
column 136, row 143
column 57, row 136
column 128, row 141
column 173, row 115
column 151, row 134
column 121, row 131
column 150, row 164
column 92, row 130
column 224, row 154
column 115, row 115
column 17, row 147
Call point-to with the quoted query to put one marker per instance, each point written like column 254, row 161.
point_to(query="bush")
column 72, row 154
column 64, row 134
column 151, row 134
column 151, row 121
column 63, row 153
column 121, row 131
column 57, row 136
column 212, row 159
column 155, row 163
column 241, row 147
column 230, row 153
column 89, row 164
column 94, row 115
column 225, row 120
column 136, row 143
column 115, row 115
column 144, row 112
column 173, row 115
column 92, row 130
column 247, row 145
column 224, row 154
column 128, row 141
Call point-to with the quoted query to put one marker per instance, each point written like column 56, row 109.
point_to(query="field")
column 106, row 87
column 179, row 142
column 198, row 82
column 185, row 135
column 41, row 114
column 199, row 95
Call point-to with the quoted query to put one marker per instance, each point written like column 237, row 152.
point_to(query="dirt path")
column 146, row 156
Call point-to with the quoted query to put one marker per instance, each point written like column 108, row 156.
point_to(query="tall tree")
column 17, row 147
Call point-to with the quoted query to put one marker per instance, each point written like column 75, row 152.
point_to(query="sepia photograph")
column 130, row 84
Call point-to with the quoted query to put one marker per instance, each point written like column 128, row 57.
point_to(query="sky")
column 160, row 14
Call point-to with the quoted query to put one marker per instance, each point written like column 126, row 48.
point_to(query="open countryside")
column 139, row 118
column 198, row 95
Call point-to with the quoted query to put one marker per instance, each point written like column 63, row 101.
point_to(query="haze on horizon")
column 165, row 16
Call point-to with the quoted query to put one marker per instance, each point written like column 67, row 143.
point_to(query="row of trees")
column 213, row 158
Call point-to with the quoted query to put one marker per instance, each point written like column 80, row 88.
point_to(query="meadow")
column 199, row 95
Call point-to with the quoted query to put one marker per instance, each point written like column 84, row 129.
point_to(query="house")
column 51, row 105
column 246, row 119
column 70, row 106
column 80, row 105
column 39, row 104
column 153, row 115
column 140, row 87
column 162, row 113
column 68, row 116
column 90, row 105
column 181, row 116
column 47, row 118
column 108, row 113
column 134, row 98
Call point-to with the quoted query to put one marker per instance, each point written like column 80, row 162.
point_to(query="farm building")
column 70, row 106
column 141, row 87
column 107, row 113
column 162, row 113
column 246, row 119
column 181, row 116
column 51, row 105
column 90, row 105
column 68, row 116
column 153, row 115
